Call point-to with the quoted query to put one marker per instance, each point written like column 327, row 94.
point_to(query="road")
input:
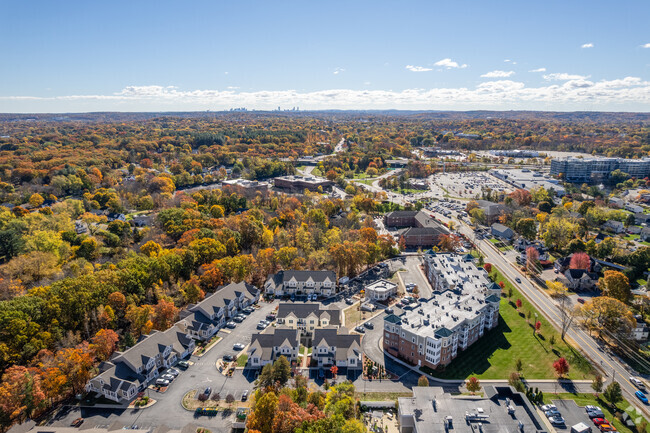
column 611, row 367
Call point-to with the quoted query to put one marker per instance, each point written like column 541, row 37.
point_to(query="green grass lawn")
column 242, row 360
column 585, row 399
column 494, row 355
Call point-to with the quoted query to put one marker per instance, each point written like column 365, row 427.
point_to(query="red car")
column 77, row 422
column 599, row 421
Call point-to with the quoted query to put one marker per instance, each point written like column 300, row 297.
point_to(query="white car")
column 238, row 346
column 168, row 377
column 172, row 371
column 548, row 407
column 636, row 382
column 162, row 382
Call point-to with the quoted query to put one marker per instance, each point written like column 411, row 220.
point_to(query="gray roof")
column 263, row 344
column 304, row 310
column 345, row 344
column 316, row 276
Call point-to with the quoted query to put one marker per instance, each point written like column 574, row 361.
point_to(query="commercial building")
column 289, row 282
column 593, row 170
column 420, row 229
column 501, row 409
column 294, row 183
column 515, row 153
column 244, row 185
column 380, row 290
column 528, row 179
column 464, row 304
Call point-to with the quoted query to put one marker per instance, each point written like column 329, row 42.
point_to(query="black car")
column 228, row 358
column 207, row 391
column 369, row 325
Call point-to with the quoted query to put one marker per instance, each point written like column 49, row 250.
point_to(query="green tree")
column 613, row 393
column 597, row 383
column 616, row 285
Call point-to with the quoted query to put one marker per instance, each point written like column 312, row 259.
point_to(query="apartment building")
column 464, row 304
column 307, row 317
column 420, row 230
column 336, row 346
column 266, row 347
column 201, row 321
column 129, row 372
column 321, row 283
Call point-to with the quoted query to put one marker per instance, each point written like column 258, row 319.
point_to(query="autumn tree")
column 532, row 260
column 36, row 200
column 263, row 412
column 561, row 367
column 104, row 343
column 488, row 267
column 165, row 314
column 597, row 383
column 607, row 315
column 473, row 385
column 580, row 261
column 616, row 285
column 21, row 394
column 423, row 381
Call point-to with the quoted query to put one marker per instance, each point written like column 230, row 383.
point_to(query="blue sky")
column 197, row 55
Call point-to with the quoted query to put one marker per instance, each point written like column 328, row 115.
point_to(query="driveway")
column 203, row 373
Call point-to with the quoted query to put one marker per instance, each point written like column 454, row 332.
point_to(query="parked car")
column 595, row 414
column 183, row 364
column 231, row 325
column 360, row 329
column 244, row 396
column 349, row 301
column 599, row 421
column 249, row 310
column 551, row 413
column 173, row 371
column 270, row 317
column 636, row 382
column 606, row 427
column 590, row 408
column 228, row 358
column 518, row 280
column 238, row 346
column 582, row 301
column 237, row 319
column 168, row 377
column 77, row 422
column 641, row 396
column 389, row 311
column 548, row 407
column 261, row 325
column 369, row 325
column 207, row 391
column 556, row 420
column 162, row 382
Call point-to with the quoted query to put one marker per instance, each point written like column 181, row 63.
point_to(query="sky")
column 139, row 55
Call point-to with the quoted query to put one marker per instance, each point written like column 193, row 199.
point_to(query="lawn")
column 494, row 355
column 353, row 316
column 585, row 399
column 381, row 396
column 242, row 360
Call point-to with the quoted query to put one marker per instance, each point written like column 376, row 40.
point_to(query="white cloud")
column 646, row 45
column 449, row 64
column 576, row 94
column 338, row 71
column 563, row 76
column 538, row 70
column 417, row 68
column 588, row 45
column 498, row 74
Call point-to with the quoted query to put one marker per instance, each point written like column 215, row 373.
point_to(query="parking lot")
column 572, row 414
column 469, row 185
column 203, row 373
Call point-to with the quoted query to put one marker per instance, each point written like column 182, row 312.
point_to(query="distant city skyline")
column 163, row 55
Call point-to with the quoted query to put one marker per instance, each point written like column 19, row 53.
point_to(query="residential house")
column 634, row 208
column 265, row 348
column 580, row 279
column 641, row 218
column 129, row 372
column 335, row 346
column 322, row 283
column 641, row 331
column 501, row 231
column 307, row 317
column 492, row 210
column 644, row 236
column 615, row 226
column 617, row 202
